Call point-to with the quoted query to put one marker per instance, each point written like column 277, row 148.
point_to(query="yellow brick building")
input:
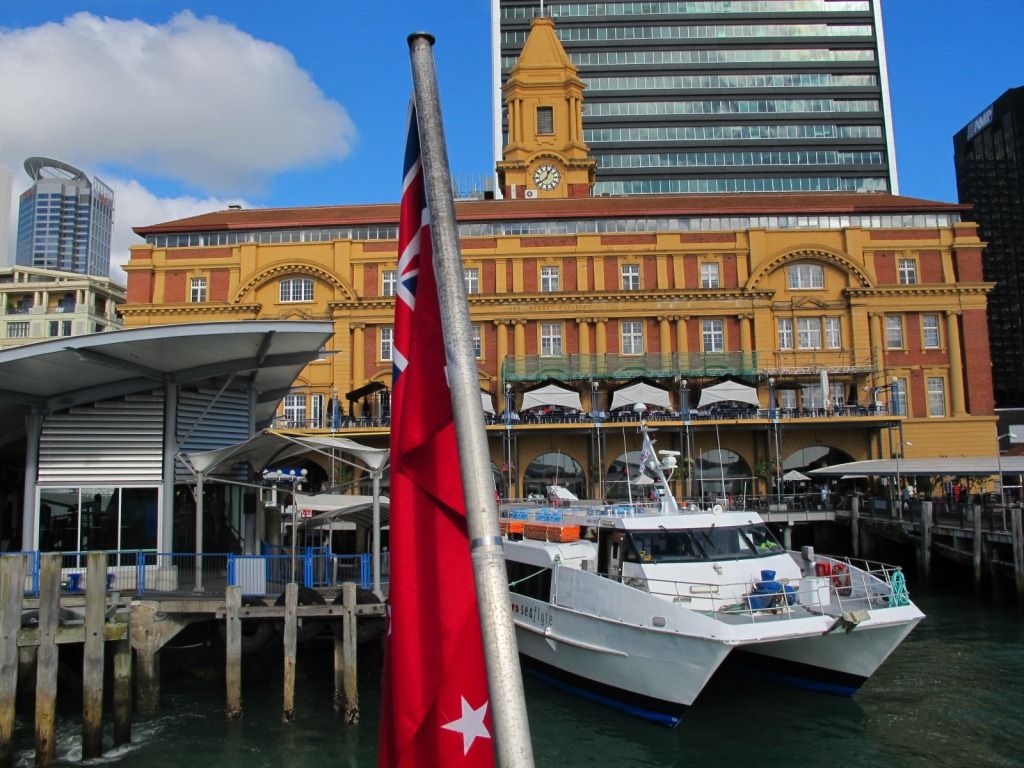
column 858, row 318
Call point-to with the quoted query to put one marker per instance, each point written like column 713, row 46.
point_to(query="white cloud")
column 196, row 100
column 134, row 206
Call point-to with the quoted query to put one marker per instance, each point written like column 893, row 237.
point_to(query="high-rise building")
column 64, row 220
column 989, row 157
column 712, row 96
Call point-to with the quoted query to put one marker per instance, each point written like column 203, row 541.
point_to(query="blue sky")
column 188, row 106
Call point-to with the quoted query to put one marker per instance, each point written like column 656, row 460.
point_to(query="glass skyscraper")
column 720, row 95
column 64, row 220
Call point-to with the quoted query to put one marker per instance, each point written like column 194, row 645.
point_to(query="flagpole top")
column 413, row 37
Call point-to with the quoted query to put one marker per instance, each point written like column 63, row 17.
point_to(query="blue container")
column 790, row 594
column 767, row 575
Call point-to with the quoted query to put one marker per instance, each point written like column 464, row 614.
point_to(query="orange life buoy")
column 841, row 578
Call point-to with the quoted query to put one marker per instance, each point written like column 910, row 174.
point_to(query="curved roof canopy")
column 63, row 373
column 48, row 168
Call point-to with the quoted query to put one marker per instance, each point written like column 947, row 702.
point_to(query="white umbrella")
column 793, row 476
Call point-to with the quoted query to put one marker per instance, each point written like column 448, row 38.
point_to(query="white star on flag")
column 470, row 725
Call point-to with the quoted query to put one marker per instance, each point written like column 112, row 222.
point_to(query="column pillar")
column 519, row 335
column 745, row 343
column 875, row 334
column 956, row 364
column 502, row 327
column 601, row 345
column 665, row 340
column 358, row 368
column 33, row 434
column 583, row 328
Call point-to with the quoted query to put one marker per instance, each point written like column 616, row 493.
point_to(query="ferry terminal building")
column 858, row 320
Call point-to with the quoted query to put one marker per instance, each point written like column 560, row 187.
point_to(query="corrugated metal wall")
column 226, row 423
column 107, row 443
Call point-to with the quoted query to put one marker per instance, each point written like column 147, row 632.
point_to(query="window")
column 17, row 330
column 316, row 411
column 549, row 279
column 551, row 339
column 545, row 120
column 388, row 281
column 65, row 327
column 813, row 396
column 632, row 337
column 936, row 396
column 709, row 277
column 806, row 277
column 894, row 332
column 833, row 333
column 713, row 332
column 387, row 340
column 54, row 328
column 297, row 289
column 930, row 331
column 631, row 277
column 477, row 347
column 907, row 271
column 471, row 277
column 808, row 332
column 898, row 397
column 785, row 333
column 295, row 410
column 787, row 398
column 197, row 291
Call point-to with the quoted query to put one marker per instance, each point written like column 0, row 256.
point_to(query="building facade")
column 38, row 304
column 65, row 220
column 742, row 96
column 855, row 321
column 989, row 157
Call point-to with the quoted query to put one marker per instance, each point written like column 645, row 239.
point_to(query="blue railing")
column 157, row 573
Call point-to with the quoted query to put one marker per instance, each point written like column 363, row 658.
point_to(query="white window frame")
column 894, row 332
column 296, row 290
column 710, row 274
column 471, row 277
column 712, row 335
column 386, row 342
column 388, row 282
column 833, row 333
column 630, row 277
column 316, row 410
column 931, row 335
column 808, row 333
column 550, row 279
column 906, row 271
column 477, row 343
column 197, row 290
column 785, row 326
column 805, row 276
column 19, row 329
column 632, row 337
column 550, row 339
column 898, row 398
column 936, row 396
column 294, row 410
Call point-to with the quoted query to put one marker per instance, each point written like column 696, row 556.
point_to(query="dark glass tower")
column 716, row 96
column 989, row 157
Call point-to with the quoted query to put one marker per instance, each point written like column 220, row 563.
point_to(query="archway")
column 719, row 473
column 554, row 468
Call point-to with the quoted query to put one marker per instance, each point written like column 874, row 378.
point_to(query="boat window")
column 663, row 546
column 762, row 539
column 529, row 580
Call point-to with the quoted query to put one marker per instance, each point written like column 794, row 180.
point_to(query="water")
column 951, row 695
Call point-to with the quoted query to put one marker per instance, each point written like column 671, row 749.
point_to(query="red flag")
column 434, row 709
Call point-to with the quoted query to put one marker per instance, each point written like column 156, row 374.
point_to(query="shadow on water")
column 951, row 695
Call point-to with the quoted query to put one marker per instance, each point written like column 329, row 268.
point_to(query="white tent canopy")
column 726, row 391
column 488, row 404
column 794, row 476
column 330, row 506
column 641, row 392
column 552, row 394
column 268, row 446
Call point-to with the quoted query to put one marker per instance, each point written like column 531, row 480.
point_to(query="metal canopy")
column 331, row 506
column 965, row 465
column 63, row 373
column 269, row 447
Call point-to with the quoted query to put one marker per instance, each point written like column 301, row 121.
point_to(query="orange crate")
column 537, row 531
column 510, row 526
column 558, row 533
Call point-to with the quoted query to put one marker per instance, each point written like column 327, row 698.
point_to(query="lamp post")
column 773, row 415
column 999, row 466
column 508, row 436
column 684, row 407
column 599, row 460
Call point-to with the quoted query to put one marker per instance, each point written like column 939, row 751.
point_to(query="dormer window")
column 545, row 120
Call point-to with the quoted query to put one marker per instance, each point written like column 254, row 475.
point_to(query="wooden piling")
column 92, row 655
column 1018, row 550
column 122, row 691
column 925, row 552
column 348, row 593
column 12, row 587
column 233, row 652
column 291, row 599
column 146, row 640
column 978, row 548
column 855, row 525
column 46, row 659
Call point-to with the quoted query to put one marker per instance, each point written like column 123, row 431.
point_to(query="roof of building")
column 810, row 203
column 63, row 373
column 951, row 466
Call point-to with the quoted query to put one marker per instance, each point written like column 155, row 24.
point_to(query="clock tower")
column 545, row 155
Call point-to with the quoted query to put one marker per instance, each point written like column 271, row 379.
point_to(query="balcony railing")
column 624, row 367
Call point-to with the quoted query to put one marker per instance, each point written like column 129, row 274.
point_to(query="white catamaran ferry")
column 637, row 605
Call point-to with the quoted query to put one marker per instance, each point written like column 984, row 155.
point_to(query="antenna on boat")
column 649, row 461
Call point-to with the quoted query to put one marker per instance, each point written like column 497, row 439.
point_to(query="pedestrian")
column 824, row 497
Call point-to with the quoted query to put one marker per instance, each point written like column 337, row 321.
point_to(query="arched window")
column 720, row 472
column 805, row 275
column 554, row 469
column 297, row 289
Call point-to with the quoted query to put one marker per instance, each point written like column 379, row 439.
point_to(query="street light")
column 684, row 407
column 773, row 415
column 295, row 479
column 596, row 413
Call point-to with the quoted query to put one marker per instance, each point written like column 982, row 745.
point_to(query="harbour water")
column 951, row 695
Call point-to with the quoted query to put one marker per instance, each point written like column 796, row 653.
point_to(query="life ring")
column 841, row 579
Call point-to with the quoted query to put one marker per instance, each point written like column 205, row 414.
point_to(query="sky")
column 186, row 107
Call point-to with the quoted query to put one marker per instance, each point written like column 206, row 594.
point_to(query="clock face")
column 546, row 177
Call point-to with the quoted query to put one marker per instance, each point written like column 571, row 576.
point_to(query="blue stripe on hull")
column 661, row 712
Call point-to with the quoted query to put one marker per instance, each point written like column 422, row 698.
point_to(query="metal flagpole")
column 512, row 745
